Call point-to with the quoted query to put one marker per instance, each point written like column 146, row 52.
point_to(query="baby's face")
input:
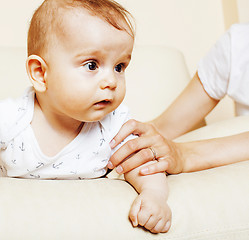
column 86, row 68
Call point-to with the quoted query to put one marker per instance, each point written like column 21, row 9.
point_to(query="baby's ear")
column 36, row 69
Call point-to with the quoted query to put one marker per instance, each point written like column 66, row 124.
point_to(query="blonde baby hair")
column 48, row 17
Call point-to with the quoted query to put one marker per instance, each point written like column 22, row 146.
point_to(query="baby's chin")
column 98, row 116
column 100, row 111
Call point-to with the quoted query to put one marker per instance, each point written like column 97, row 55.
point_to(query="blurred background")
column 192, row 26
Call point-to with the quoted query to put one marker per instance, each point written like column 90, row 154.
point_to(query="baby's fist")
column 150, row 211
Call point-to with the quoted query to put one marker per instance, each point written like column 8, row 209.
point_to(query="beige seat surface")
column 206, row 205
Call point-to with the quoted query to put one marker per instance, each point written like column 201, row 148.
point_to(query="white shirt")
column 225, row 69
column 85, row 157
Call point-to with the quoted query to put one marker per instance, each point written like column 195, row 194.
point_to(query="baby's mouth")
column 103, row 103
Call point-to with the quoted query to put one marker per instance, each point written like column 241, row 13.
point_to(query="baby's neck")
column 53, row 134
column 57, row 121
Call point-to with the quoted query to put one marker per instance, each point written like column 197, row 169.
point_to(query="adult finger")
column 133, row 146
column 130, row 127
column 157, row 167
column 141, row 157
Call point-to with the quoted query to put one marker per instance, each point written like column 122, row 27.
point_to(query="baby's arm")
column 150, row 208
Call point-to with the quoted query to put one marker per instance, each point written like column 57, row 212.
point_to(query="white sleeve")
column 15, row 115
column 214, row 69
column 119, row 117
column 5, row 119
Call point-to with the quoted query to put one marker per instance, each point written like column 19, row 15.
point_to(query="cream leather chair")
column 206, row 205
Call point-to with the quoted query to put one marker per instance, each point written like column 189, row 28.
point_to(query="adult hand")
column 149, row 145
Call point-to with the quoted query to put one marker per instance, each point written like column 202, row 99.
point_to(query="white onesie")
column 85, row 157
column 225, row 69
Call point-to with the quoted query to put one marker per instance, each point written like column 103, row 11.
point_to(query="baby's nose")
column 109, row 81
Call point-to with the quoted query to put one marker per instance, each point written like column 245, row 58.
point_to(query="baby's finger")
column 166, row 227
column 143, row 217
column 151, row 223
column 160, row 227
column 135, row 208
column 157, row 167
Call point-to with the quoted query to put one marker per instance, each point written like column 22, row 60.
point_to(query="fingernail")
column 168, row 225
column 110, row 165
column 134, row 221
column 112, row 143
column 144, row 170
column 119, row 169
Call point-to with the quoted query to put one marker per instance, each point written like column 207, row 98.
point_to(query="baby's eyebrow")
column 98, row 53
column 88, row 52
column 129, row 57
column 126, row 57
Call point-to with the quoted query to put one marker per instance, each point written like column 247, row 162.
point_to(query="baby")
column 78, row 51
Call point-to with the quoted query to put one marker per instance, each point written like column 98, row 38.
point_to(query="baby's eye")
column 91, row 66
column 120, row 67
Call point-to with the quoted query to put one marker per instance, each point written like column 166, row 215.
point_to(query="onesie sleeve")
column 15, row 115
column 5, row 106
column 124, row 114
column 214, row 69
column 114, row 121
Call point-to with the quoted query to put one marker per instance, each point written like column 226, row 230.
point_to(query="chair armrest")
column 206, row 205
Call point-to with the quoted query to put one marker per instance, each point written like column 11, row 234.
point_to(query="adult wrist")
column 187, row 155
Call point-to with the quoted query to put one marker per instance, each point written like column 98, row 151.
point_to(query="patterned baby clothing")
column 85, row 157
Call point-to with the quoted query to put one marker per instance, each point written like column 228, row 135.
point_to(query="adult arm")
column 190, row 107
column 185, row 112
column 205, row 154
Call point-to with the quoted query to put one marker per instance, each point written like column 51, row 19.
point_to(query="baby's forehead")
column 73, row 22
column 80, row 33
column 114, row 19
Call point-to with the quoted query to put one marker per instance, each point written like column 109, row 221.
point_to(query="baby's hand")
column 151, row 211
